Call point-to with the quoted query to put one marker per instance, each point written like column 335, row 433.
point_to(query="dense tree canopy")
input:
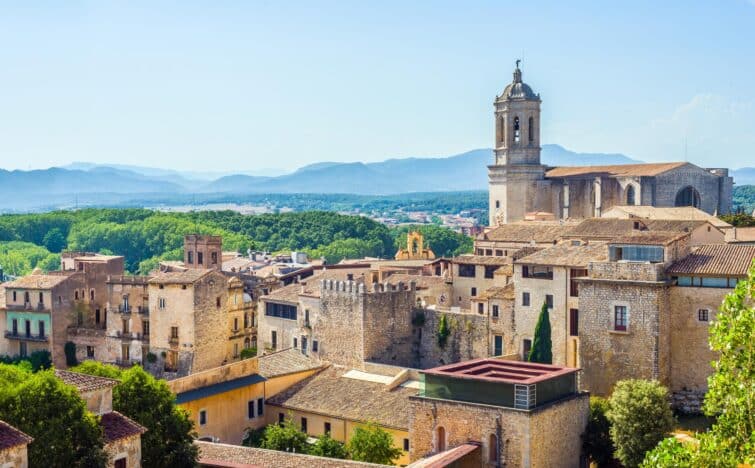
column 41, row 405
column 372, row 444
column 146, row 237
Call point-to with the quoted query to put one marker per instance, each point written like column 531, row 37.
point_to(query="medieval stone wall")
column 670, row 183
column 15, row 456
column 642, row 352
column 468, row 339
column 210, row 326
column 387, row 323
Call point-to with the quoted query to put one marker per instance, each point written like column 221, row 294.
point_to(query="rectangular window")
column 467, row 271
column 537, row 272
column 174, row 333
column 235, row 324
column 327, row 428
column 273, row 309
column 90, row 352
column 480, row 251
column 549, row 300
column 497, row 345
column 499, row 253
column 314, row 346
column 200, row 258
column 490, row 271
column 573, row 322
column 636, row 253
column 190, row 258
column 295, row 343
column 495, row 311
column 125, row 326
column 217, row 302
column 281, row 418
column 304, row 345
column 703, row 315
column 525, row 299
column 250, row 409
column 406, row 445
column 620, row 318
column 145, row 328
column 120, row 463
column 260, row 406
column 202, row 417
column 214, row 258
column 714, row 282
column 573, row 284
column 526, row 347
column 41, row 328
column 161, row 303
column 304, row 425
column 473, row 292
column 480, row 308
column 489, row 252
column 274, row 339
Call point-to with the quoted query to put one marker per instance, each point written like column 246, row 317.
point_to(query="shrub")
column 372, row 444
column 443, row 331
column 151, row 357
column 640, row 417
column 285, row 437
column 327, row 446
column 596, row 441
column 248, row 352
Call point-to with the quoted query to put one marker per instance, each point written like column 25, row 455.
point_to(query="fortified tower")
column 517, row 178
column 203, row 251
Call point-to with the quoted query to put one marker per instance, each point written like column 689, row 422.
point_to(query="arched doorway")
column 688, row 196
column 631, row 196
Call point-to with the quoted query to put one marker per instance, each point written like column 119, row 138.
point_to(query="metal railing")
column 26, row 337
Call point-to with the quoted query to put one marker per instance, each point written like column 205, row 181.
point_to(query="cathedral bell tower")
column 517, row 178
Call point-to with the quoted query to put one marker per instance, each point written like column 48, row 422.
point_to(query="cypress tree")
column 541, row 347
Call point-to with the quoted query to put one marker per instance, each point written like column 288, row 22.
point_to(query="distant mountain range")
column 62, row 186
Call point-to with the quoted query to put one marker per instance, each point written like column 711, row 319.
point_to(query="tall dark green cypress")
column 542, row 348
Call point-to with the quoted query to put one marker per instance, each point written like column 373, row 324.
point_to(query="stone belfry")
column 517, row 179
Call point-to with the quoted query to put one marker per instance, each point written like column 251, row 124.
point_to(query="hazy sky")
column 246, row 85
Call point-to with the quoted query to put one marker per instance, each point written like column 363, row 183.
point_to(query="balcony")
column 144, row 310
column 128, row 336
column 173, row 341
column 124, row 309
column 25, row 337
column 28, row 307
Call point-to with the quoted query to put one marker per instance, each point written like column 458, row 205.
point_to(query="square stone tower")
column 203, row 251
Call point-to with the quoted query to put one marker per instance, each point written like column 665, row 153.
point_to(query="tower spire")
column 518, row 72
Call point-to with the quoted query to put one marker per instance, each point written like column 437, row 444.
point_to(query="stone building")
column 123, row 436
column 516, row 413
column 188, row 309
column 520, row 183
column 203, row 252
column 127, row 327
column 13, row 447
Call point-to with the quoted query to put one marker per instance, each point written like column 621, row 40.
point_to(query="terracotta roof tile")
column 37, row 281
column 189, row 276
column 285, row 362
column 717, row 259
column 357, row 400
column 568, row 255
column 237, row 456
column 526, row 232
column 649, row 238
column 618, row 170
column 11, row 437
column 84, row 382
column 505, row 292
column 481, row 260
column 609, row 228
column 117, row 426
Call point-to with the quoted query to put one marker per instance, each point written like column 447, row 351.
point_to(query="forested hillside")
column 144, row 236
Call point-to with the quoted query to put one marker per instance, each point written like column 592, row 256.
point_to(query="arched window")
column 441, row 439
column 630, row 195
column 516, row 130
column 501, row 129
column 531, row 130
column 688, row 196
column 493, row 448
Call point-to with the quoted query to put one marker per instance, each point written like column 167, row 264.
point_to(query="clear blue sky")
column 245, row 85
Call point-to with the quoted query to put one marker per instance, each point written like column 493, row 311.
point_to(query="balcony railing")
column 24, row 337
column 173, row 340
column 27, row 306
column 124, row 309
column 144, row 310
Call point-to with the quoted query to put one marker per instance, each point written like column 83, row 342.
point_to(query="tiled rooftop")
column 329, row 393
column 680, row 213
column 84, row 382
column 481, row 260
column 288, row 361
column 609, row 228
column 236, row 456
column 649, row 238
column 717, row 259
column 617, row 170
column 310, row 286
column 116, row 426
column 526, row 232
column 189, row 276
column 568, row 255
column 37, row 281
column 501, row 371
column 11, row 437
column 505, row 292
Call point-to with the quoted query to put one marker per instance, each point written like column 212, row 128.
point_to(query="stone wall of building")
column 468, row 339
column 129, row 448
column 387, row 322
column 642, row 352
column 668, row 184
column 16, row 457
column 548, row 436
column 210, row 325
column 339, row 324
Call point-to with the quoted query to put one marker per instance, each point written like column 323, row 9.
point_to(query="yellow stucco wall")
column 340, row 429
column 275, row 385
column 227, row 413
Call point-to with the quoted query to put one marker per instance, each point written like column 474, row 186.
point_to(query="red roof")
column 11, row 437
column 501, row 371
column 117, row 426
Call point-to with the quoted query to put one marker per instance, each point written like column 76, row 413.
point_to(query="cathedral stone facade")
column 521, row 184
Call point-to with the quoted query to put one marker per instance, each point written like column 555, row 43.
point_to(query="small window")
column 161, row 302
column 295, row 343
column 406, row 445
column 190, row 258
column 91, row 295
column 217, row 302
column 498, row 203
column 573, row 322
column 495, row 311
column 703, row 315
column 214, row 258
column 162, row 286
column 260, row 406
column 314, row 346
column 202, row 417
column 480, row 308
column 281, row 418
column 75, row 295
column 440, row 439
column 174, row 333
column 549, row 300
column 200, row 258
column 42, row 297
column 499, row 253
column 250, row 409
column 183, row 286
column 235, row 324
column 620, row 318
column 526, row 348
column 90, row 352
column 525, row 299
column 327, row 428
column 304, row 425
column 120, row 463
column 467, row 271
column 490, row 270
column 473, row 292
